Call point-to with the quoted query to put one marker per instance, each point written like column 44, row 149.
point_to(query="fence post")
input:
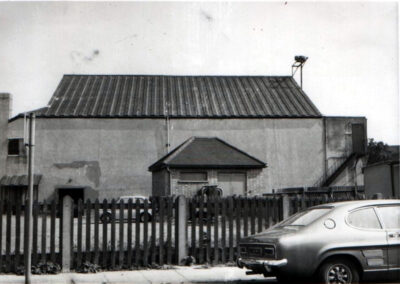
column 181, row 224
column 285, row 206
column 67, row 208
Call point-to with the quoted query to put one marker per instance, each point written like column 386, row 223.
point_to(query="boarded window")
column 193, row 176
column 232, row 183
column 16, row 147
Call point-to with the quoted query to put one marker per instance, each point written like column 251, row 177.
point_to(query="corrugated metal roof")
column 19, row 180
column 207, row 152
column 178, row 96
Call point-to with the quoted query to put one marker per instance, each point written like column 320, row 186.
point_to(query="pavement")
column 178, row 274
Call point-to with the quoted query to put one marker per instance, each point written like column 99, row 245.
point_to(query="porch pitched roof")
column 207, row 152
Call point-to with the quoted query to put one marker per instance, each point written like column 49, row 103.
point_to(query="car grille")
column 257, row 250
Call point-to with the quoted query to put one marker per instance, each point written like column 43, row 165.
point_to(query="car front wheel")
column 142, row 217
column 106, row 217
column 338, row 271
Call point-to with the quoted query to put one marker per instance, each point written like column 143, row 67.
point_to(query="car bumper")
column 262, row 266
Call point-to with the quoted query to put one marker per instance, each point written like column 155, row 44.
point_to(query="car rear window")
column 305, row 218
column 390, row 216
column 364, row 218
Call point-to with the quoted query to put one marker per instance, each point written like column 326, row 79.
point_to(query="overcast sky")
column 352, row 48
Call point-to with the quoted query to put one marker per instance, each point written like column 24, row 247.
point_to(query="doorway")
column 75, row 193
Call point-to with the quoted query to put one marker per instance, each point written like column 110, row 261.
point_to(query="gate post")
column 67, row 207
column 181, row 247
column 285, row 206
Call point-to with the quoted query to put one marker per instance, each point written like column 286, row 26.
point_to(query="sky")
column 353, row 48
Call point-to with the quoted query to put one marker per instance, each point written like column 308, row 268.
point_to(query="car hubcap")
column 339, row 273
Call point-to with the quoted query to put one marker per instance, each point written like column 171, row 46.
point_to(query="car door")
column 371, row 240
column 390, row 217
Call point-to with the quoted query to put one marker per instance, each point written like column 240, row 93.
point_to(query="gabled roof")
column 130, row 96
column 207, row 152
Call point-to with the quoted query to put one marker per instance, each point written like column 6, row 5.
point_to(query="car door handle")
column 393, row 235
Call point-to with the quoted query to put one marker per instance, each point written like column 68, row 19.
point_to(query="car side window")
column 390, row 216
column 364, row 218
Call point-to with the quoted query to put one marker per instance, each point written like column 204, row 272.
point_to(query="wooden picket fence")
column 211, row 229
column 46, row 239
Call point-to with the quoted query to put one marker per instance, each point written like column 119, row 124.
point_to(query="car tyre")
column 142, row 217
column 106, row 217
column 338, row 270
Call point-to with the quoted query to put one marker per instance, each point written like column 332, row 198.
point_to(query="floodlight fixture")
column 299, row 61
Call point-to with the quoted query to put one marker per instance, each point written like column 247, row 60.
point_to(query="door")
column 390, row 216
column 232, row 183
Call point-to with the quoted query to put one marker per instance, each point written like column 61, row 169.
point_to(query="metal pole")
column 301, row 76
column 28, row 207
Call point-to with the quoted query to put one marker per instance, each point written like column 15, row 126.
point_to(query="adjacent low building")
column 383, row 177
column 99, row 135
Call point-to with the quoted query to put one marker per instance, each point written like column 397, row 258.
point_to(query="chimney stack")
column 5, row 104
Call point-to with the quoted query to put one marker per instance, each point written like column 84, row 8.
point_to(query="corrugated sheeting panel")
column 178, row 96
column 21, row 180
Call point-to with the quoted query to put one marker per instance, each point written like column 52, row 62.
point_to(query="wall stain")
column 93, row 172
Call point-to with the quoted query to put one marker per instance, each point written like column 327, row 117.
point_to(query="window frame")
column 180, row 180
column 366, row 229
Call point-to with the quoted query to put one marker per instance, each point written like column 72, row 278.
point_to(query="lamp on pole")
column 299, row 61
column 28, row 204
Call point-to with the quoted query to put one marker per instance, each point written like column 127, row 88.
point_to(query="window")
column 16, row 147
column 390, row 216
column 193, row 176
column 305, row 218
column 364, row 218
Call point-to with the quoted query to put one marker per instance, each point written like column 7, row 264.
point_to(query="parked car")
column 107, row 216
column 333, row 243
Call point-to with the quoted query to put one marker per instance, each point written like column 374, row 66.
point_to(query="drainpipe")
column 167, row 126
column 325, row 154
column 169, row 181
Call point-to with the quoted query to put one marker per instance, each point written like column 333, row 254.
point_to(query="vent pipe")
column 299, row 61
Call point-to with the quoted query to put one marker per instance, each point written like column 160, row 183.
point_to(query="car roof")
column 132, row 197
column 360, row 203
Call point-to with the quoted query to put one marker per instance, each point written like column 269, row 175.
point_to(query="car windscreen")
column 305, row 218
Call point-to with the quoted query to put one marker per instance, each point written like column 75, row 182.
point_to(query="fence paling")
column 161, row 231
column 216, row 231
column 35, row 216
column 113, row 232
column 145, row 233
column 1, row 233
column 8, row 238
column 88, row 231
column 96, row 232
column 105, row 235
column 169, row 230
column 17, row 234
column 223, row 230
column 121, row 233
column 153, row 232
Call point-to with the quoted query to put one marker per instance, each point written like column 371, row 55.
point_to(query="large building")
column 104, row 135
